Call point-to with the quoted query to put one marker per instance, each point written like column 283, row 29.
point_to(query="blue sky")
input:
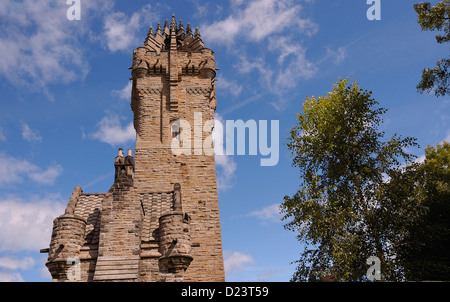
column 65, row 100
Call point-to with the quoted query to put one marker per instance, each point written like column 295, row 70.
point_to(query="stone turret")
column 175, row 239
column 67, row 239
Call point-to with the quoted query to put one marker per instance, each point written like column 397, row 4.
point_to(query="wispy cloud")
column 269, row 213
column 27, row 225
column 121, row 30
column 264, row 29
column 14, row 170
column 225, row 164
column 2, row 135
column 235, row 261
column 257, row 20
column 11, row 277
column 14, row 263
column 30, row 135
column 9, row 266
column 124, row 93
column 40, row 46
column 447, row 139
column 110, row 131
column 229, row 86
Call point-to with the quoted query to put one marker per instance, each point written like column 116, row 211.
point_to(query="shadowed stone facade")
column 160, row 219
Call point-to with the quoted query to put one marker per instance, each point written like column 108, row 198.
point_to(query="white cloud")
column 338, row 55
column 270, row 213
column 38, row 44
column 121, row 30
column 276, row 25
column 28, row 225
column 420, row 159
column 110, row 131
column 30, row 135
column 291, row 67
column 2, row 135
column 225, row 165
column 267, row 274
column 290, row 71
column 46, row 177
column 14, row 263
column 11, row 277
column 230, row 86
column 235, row 261
column 226, row 171
column 447, row 139
column 14, row 170
column 125, row 92
column 258, row 20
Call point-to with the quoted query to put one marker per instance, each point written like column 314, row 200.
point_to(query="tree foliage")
column 423, row 252
column 342, row 212
column 435, row 18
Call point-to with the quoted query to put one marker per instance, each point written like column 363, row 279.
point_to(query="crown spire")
column 158, row 28
column 188, row 29
column 173, row 24
column 150, row 33
column 166, row 28
column 197, row 33
column 173, row 36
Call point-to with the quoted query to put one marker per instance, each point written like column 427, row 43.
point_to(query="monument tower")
column 160, row 219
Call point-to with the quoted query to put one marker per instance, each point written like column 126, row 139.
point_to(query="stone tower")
column 160, row 219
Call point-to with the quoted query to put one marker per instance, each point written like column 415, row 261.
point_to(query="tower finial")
column 158, row 28
column 150, row 34
column 166, row 28
column 173, row 24
column 197, row 33
column 180, row 26
column 188, row 29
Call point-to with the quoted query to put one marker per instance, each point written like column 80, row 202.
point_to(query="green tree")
column 433, row 18
column 424, row 250
column 340, row 211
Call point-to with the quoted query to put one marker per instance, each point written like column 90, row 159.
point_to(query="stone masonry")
column 160, row 220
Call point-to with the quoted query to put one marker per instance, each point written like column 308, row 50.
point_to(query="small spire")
column 158, row 28
column 197, row 33
column 180, row 32
column 150, row 33
column 166, row 28
column 173, row 24
column 188, row 29
column 181, row 25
